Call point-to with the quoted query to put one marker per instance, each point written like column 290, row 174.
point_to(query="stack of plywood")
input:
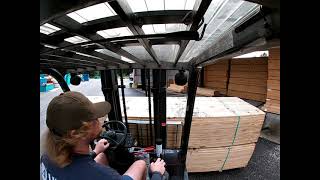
column 216, row 76
column 223, row 134
column 248, row 78
column 273, row 91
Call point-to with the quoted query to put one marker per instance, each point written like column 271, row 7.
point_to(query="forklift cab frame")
column 260, row 30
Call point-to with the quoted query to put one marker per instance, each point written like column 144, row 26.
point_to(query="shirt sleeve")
column 156, row 176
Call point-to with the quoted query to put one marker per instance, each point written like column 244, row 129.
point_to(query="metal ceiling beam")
column 68, row 59
column 234, row 41
column 74, row 28
column 59, row 66
column 45, row 39
column 179, row 35
column 58, row 62
column 75, row 57
column 141, row 18
column 123, row 10
column 199, row 9
column 160, row 41
column 50, row 9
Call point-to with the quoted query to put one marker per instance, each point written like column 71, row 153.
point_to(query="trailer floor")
column 264, row 165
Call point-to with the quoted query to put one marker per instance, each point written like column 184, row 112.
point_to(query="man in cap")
column 72, row 121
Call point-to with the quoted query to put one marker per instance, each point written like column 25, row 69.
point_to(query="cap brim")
column 102, row 108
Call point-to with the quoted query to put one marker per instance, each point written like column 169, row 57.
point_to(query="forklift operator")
column 72, row 121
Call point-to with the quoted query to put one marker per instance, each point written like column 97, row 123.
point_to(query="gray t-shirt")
column 83, row 167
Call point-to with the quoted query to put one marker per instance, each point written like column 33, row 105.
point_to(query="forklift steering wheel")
column 113, row 135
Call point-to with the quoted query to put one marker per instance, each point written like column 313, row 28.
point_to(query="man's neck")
column 81, row 148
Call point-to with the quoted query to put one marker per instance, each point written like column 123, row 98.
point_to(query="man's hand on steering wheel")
column 101, row 146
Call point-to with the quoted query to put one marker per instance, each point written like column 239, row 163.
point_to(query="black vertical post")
column 192, row 88
column 109, row 84
column 149, row 103
column 124, row 100
column 159, row 101
column 201, row 84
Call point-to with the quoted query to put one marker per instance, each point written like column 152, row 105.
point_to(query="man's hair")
column 60, row 149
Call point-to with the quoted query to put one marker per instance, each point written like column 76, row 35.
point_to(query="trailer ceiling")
column 151, row 34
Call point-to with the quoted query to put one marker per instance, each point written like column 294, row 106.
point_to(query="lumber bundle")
column 214, row 143
column 273, row 92
column 200, row 90
column 207, row 92
column 248, row 78
column 176, row 88
column 212, row 159
column 216, row 76
column 223, row 133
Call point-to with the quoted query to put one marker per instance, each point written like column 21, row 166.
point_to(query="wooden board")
column 216, row 84
column 207, row 92
column 274, row 53
column 273, row 84
column 248, row 88
column 273, row 109
column 216, row 73
column 247, row 95
column 215, row 79
column 176, row 88
column 217, row 67
column 245, row 81
column 273, row 94
column 249, row 75
column 251, row 68
column 215, row 76
column 212, row 159
column 273, row 64
column 273, row 102
column 274, row 74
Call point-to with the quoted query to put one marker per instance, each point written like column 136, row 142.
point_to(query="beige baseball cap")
column 70, row 109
